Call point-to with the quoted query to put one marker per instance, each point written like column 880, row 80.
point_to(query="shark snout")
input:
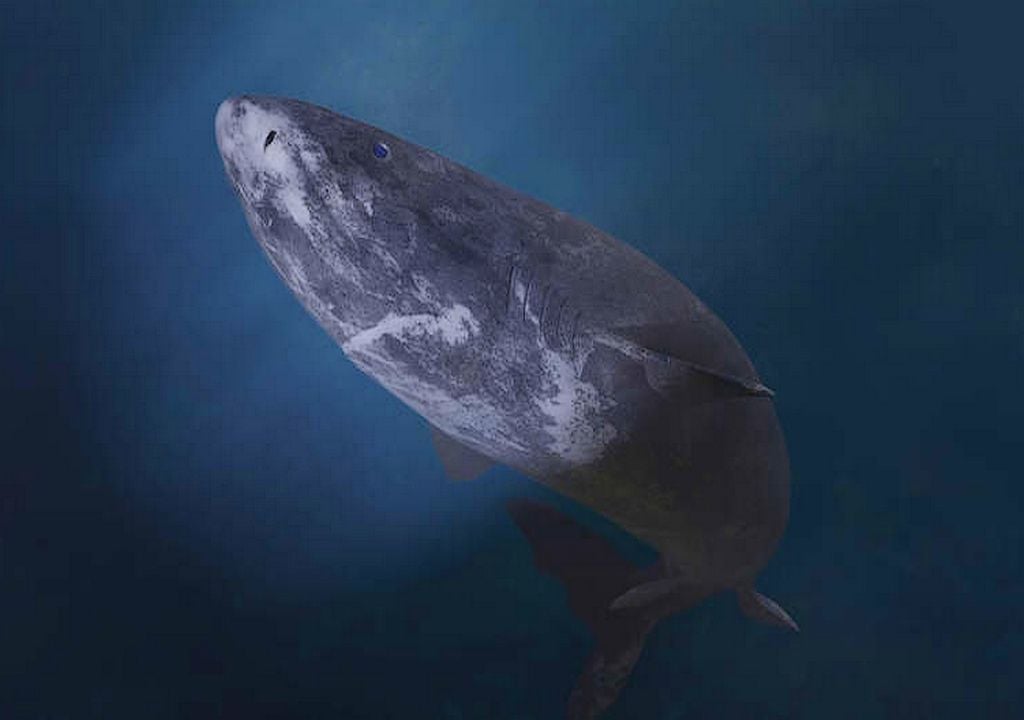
column 222, row 121
column 250, row 129
column 227, row 125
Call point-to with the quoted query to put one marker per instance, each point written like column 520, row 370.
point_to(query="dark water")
column 206, row 511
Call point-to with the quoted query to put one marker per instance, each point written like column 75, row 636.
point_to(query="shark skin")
column 524, row 337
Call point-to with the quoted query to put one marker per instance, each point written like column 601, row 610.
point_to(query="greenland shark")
column 528, row 338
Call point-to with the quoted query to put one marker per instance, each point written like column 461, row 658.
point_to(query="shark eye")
column 270, row 138
column 381, row 151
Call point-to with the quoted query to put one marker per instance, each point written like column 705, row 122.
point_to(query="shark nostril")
column 270, row 138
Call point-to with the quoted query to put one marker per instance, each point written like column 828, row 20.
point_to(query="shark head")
column 387, row 244
column 347, row 213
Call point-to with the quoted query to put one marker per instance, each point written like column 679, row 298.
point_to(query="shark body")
column 528, row 338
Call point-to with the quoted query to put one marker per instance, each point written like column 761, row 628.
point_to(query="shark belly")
column 491, row 384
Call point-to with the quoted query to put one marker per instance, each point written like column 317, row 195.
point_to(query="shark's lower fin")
column 593, row 573
column 459, row 461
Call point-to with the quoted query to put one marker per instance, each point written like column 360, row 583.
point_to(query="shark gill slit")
column 526, row 297
column 572, row 336
column 560, row 334
column 509, row 285
column 559, row 329
column 545, row 298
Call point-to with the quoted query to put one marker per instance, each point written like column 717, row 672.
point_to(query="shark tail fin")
column 593, row 574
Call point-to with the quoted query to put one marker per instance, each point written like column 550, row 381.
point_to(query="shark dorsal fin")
column 459, row 461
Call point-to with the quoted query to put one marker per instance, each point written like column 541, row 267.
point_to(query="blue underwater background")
column 206, row 511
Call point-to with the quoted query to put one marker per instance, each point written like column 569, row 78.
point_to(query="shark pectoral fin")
column 666, row 374
column 676, row 359
column 646, row 594
column 459, row 461
column 763, row 609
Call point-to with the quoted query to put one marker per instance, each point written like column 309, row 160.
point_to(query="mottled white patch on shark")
column 294, row 201
column 573, row 409
column 312, row 159
column 349, row 211
column 268, row 172
column 469, row 418
column 362, row 188
column 454, row 326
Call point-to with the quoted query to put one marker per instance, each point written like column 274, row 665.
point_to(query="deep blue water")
column 207, row 511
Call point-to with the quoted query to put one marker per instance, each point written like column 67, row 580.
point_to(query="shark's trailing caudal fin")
column 593, row 574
